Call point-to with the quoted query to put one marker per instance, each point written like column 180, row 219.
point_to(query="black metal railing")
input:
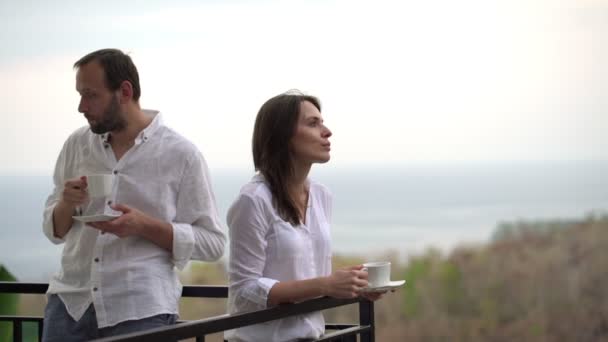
column 200, row 328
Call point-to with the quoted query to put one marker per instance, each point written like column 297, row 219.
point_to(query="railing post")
column 17, row 331
column 366, row 317
column 40, row 327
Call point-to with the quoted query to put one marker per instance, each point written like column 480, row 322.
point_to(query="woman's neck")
column 297, row 183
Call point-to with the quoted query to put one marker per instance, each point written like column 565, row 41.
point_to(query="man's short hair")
column 117, row 67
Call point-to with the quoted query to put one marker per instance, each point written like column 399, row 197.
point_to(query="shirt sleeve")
column 197, row 232
column 55, row 196
column 247, row 232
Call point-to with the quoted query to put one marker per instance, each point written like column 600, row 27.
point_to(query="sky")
column 400, row 81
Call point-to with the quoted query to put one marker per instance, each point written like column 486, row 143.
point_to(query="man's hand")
column 74, row 192
column 73, row 195
column 131, row 223
column 135, row 223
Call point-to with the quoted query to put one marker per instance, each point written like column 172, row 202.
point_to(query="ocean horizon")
column 402, row 210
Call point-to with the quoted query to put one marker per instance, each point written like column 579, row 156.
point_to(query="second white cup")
column 378, row 273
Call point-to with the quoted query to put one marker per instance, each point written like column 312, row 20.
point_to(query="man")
column 118, row 276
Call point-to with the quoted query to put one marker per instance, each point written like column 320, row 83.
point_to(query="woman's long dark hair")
column 274, row 127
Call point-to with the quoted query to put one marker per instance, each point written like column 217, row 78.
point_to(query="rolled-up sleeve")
column 247, row 233
column 197, row 232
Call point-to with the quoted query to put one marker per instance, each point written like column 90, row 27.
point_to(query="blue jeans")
column 59, row 326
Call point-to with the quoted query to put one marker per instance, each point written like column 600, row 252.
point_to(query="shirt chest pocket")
column 289, row 243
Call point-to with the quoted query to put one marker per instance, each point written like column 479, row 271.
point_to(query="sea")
column 401, row 210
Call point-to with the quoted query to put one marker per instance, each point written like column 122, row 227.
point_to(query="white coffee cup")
column 378, row 273
column 100, row 185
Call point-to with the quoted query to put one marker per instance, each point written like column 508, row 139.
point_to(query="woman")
column 280, row 249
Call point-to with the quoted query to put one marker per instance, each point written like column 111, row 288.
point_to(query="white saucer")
column 392, row 285
column 95, row 218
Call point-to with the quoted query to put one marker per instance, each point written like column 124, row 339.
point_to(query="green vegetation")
column 8, row 306
column 536, row 281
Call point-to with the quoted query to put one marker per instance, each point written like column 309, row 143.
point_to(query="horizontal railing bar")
column 200, row 328
column 344, row 328
column 344, row 332
column 226, row 322
column 205, row 291
column 14, row 287
column 336, row 326
column 199, row 291
column 5, row 318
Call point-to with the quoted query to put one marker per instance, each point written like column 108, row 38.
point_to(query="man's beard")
column 111, row 119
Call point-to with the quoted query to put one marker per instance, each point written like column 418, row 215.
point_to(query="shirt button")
column 109, row 202
column 106, row 145
column 103, row 233
column 94, row 289
column 115, row 172
column 96, row 259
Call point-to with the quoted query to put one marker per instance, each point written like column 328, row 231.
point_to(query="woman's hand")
column 345, row 283
column 373, row 296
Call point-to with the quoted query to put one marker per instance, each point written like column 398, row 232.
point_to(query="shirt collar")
column 259, row 178
column 146, row 133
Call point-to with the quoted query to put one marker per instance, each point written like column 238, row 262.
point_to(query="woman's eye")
column 313, row 123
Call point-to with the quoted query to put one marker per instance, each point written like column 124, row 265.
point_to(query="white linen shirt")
column 162, row 175
column 265, row 249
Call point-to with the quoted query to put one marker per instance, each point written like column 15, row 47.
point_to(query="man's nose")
column 82, row 106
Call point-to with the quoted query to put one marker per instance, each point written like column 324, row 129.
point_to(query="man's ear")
column 126, row 91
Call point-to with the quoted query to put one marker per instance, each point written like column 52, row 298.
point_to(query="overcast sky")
column 400, row 82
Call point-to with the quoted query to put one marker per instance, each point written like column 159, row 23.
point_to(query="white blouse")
column 265, row 249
